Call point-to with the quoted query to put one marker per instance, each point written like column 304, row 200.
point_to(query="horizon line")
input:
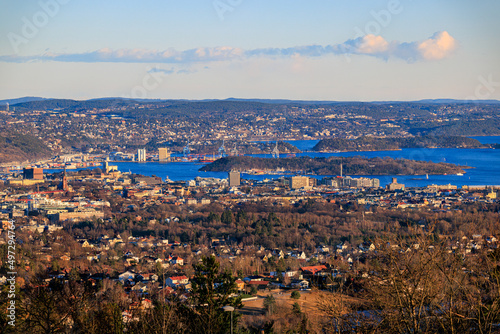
column 255, row 99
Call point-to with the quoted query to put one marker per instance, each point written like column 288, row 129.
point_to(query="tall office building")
column 234, row 179
column 163, row 154
column 141, row 154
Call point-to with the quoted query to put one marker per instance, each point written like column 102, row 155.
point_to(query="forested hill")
column 17, row 147
column 74, row 105
column 331, row 166
column 384, row 144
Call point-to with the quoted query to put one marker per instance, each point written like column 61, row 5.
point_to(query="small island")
column 389, row 144
column 331, row 166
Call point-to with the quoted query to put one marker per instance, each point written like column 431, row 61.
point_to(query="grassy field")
column 254, row 314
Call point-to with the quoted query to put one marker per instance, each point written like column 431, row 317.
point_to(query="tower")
column 64, row 182
column 30, row 203
column 234, row 179
column 7, row 106
column 141, row 154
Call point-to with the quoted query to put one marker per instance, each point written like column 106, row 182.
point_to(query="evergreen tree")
column 211, row 290
column 227, row 217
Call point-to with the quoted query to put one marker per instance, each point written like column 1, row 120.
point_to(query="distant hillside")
column 17, row 147
column 448, row 101
column 198, row 106
column 331, row 166
column 21, row 100
column 73, row 105
column 470, row 127
column 163, row 108
column 385, row 144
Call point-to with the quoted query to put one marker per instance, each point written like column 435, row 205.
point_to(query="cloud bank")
column 439, row 46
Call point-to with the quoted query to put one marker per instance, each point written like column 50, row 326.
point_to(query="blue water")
column 485, row 163
column 488, row 139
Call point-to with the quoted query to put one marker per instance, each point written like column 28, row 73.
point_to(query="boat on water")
column 460, row 174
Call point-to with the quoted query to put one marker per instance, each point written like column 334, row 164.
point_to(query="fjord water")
column 485, row 165
column 487, row 139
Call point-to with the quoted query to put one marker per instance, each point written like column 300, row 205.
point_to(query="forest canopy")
column 331, row 166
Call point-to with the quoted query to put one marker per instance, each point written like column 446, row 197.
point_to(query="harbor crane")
column 186, row 149
column 276, row 153
column 222, row 150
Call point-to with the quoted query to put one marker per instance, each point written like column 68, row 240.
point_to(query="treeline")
column 331, row 166
column 76, row 304
column 303, row 225
column 384, row 144
column 417, row 285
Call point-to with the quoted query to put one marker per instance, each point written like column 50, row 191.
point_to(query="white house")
column 299, row 255
column 177, row 260
column 126, row 275
column 303, row 284
column 147, row 277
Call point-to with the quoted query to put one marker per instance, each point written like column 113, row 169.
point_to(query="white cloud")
column 439, row 46
column 371, row 44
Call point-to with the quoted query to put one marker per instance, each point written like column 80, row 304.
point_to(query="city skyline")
column 326, row 50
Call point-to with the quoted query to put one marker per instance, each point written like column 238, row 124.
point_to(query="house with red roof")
column 176, row 281
column 177, row 260
column 312, row 270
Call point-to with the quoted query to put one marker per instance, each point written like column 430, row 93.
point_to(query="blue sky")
column 195, row 49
